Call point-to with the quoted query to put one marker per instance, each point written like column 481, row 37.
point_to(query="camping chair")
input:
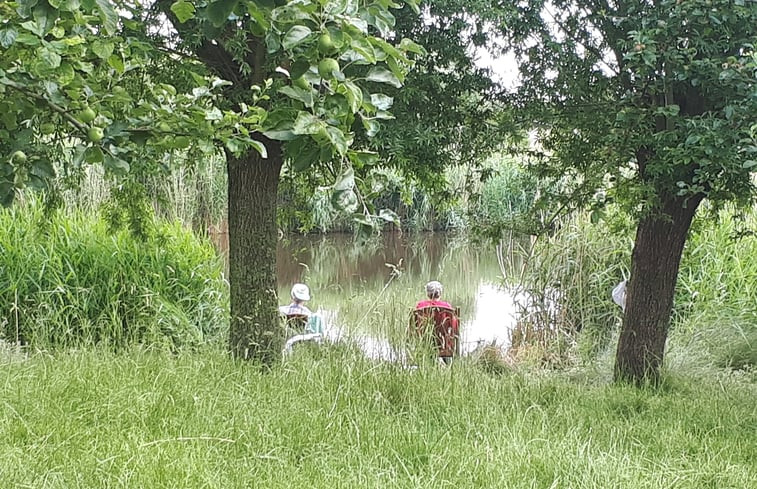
column 295, row 323
column 445, row 333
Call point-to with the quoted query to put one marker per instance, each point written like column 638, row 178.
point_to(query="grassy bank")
column 95, row 419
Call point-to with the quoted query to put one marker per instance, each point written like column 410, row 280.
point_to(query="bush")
column 66, row 281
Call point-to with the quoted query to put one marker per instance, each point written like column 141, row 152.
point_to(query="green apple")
column 327, row 67
column 95, row 134
column 18, row 157
column 326, row 44
column 181, row 142
column 87, row 115
column 301, row 82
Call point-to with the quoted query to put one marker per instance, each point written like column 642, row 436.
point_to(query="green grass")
column 65, row 280
column 199, row 420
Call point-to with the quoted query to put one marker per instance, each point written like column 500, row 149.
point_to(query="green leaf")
column 382, row 75
column 295, row 36
column 25, row 7
column 43, row 168
column 51, row 59
column 218, row 12
column 116, row 63
column 371, row 127
column 345, row 201
column 280, row 134
column 343, row 196
column 413, row 4
column 7, row 36
column 304, row 96
column 183, row 10
column 93, row 154
column 389, row 216
column 299, row 68
column 115, row 164
column 364, row 48
column 108, row 16
column 259, row 147
column 69, row 5
column 381, row 101
column 305, row 154
column 102, row 50
column 33, row 27
column 353, row 93
column 361, row 159
column 338, row 139
column 383, row 20
column 307, row 123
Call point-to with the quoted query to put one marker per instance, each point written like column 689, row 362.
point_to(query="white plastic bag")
column 619, row 295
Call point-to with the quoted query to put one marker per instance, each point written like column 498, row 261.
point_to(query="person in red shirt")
column 443, row 318
column 434, row 292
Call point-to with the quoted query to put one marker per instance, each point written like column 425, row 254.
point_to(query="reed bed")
column 65, row 280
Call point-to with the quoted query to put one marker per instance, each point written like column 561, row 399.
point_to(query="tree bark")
column 660, row 238
column 255, row 330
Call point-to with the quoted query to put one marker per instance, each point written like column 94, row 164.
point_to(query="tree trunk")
column 255, row 332
column 660, row 238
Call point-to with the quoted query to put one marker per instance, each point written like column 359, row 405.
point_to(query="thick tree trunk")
column 255, row 332
column 660, row 238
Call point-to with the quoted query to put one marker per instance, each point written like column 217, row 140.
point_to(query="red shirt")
column 432, row 303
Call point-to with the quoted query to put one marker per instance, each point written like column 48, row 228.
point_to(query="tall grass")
column 94, row 419
column 65, row 280
column 716, row 303
column 568, row 276
column 564, row 286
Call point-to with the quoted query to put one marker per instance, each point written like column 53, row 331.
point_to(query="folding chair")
column 445, row 333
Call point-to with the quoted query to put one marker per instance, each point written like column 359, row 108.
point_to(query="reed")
column 67, row 281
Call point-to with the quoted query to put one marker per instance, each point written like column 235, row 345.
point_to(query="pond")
column 366, row 290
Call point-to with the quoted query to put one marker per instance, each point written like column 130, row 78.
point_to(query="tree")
column 292, row 77
column 446, row 113
column 650, row 105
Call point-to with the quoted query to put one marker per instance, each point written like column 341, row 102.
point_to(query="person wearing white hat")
column 300, row 295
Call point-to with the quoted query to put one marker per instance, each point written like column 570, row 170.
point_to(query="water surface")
column 366, row 290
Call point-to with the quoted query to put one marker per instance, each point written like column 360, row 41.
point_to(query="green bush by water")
column 152, row 420
column 66, row 281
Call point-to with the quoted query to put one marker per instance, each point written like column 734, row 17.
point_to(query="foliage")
column 446, row 113
column 67, row 281
column 657, row 96
column 80, row 87
column 159, row 421
column 504, row 202
column 716, row 308
column 290, row 75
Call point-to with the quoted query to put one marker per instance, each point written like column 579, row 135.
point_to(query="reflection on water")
column 365, row 291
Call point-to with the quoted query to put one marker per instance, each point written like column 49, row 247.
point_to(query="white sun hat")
column 300, row 292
